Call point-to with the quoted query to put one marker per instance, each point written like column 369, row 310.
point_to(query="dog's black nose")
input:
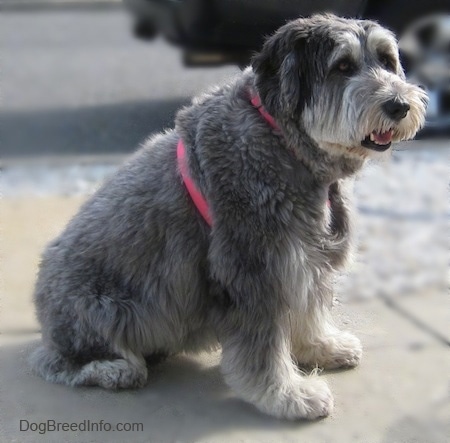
column 396, row 109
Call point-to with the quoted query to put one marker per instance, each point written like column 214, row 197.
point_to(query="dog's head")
column 341, row 82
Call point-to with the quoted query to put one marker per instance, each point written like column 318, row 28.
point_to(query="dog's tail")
column 51, row 365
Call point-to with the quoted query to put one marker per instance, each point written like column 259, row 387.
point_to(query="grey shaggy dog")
column 138, row 273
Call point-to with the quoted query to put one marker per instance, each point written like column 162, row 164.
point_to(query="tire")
column 425, row 53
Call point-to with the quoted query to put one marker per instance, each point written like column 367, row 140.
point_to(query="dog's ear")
column 294, row 84
column 287, row 66
column 278, row 74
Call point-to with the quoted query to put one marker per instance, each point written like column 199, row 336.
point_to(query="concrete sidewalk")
column 398, row 394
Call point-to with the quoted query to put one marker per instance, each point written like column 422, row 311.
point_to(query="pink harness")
column 256, row 102
column 196, row 195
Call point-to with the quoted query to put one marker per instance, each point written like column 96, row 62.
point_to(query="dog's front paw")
column 309, row 399
column 344, row 351
column 340, row 350
column 317, row 398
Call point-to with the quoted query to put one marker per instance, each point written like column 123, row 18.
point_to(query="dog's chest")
column 306, row 267
column 317, row 245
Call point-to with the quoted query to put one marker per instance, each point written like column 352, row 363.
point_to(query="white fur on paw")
column 345, row 352
column 310, row 399
column 340, row 350
column 318, row 399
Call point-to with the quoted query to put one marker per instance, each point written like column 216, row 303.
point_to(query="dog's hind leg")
column 130, row 371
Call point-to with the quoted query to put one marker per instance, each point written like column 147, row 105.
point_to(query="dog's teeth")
column 372, row 137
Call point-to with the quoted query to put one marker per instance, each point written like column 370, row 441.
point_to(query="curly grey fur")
column 138, row 273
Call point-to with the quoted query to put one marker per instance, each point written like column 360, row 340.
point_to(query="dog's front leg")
column 253, row 329
column 257, row 364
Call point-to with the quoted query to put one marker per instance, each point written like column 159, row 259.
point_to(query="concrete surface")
column 398, row 394
column 26, row 228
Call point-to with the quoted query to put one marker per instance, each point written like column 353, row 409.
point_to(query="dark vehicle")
column 213, row 32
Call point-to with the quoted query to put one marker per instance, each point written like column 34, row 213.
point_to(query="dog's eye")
column 345, row 66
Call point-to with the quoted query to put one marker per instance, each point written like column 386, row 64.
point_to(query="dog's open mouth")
column 378, row 141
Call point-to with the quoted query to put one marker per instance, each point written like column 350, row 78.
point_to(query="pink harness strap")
column 256, row 102
column 196, row 196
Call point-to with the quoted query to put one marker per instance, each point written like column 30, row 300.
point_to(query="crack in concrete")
column 394, row 306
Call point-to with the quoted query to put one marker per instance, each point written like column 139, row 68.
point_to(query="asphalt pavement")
column 76, row 81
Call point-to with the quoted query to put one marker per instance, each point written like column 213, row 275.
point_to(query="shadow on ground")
column 185, row 400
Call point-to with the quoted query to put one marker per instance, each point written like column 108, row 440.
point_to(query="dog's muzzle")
column 396, row 110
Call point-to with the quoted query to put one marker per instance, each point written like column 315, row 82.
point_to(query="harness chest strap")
column 196, row 196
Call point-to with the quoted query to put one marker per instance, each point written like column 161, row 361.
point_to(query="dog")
column 229, row 229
